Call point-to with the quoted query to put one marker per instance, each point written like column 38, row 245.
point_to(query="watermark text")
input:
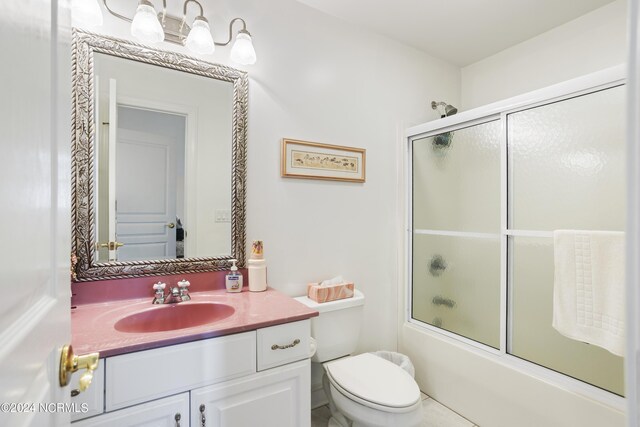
column 74, row 408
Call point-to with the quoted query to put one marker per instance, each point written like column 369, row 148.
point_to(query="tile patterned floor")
column 435, row 415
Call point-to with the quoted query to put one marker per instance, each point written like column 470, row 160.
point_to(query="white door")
column 35, row 216
column 105, row 174
column 113, row 139
column 145, row 195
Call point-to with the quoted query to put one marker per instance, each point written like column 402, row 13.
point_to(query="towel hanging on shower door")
column 588, row 292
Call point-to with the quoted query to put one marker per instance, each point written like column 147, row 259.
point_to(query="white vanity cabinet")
column 255, row 378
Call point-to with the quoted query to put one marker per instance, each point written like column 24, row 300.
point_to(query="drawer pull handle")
column 75, row 392
column 284, row 347
column 202, row 418
column 177, row 418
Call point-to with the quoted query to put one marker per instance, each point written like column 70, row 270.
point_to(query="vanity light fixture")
column 199, row 39
column 150, row 28
column 242, row 51
column 145, row 25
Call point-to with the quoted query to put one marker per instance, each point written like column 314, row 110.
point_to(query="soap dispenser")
column 233, row 280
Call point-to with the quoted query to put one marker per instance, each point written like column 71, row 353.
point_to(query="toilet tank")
column 337, row 328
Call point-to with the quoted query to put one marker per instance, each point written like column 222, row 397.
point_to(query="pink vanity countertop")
column 92, row 325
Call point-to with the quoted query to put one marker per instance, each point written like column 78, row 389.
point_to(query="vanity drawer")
column 281, row 344
column 138, row 377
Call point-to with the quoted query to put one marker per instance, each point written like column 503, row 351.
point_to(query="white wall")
column 590, row 43
column 320, row 79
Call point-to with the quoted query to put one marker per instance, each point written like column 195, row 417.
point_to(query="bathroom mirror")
column 158, row 161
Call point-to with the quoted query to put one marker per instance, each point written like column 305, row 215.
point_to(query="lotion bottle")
column 257, row 267
column 233, row 280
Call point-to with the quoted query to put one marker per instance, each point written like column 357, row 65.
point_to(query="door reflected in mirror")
column 162, row 171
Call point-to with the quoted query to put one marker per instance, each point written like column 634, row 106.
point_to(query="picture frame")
column 314, row 160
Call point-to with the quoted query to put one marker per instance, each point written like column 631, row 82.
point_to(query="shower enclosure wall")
column 488, row 188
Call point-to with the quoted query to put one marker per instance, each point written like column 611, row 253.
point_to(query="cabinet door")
column 168, row 412
column 278, row 397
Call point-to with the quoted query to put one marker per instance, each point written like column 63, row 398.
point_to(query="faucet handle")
column 184, row 289
column 159, row 291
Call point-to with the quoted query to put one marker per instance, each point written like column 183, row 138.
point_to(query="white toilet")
column 366, row 389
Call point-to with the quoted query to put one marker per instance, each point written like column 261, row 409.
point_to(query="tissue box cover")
column 330, row 292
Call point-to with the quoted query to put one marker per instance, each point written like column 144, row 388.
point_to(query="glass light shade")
column 145, row 26
column 199, row 39
column 242, row 51
column 86, row 13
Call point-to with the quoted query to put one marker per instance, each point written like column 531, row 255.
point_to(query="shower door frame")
column 584, row 85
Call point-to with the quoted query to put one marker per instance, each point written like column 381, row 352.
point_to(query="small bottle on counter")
column 233, row 280
column 257, row 268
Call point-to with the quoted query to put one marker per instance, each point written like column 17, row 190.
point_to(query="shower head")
column 442, row 142
column 449, row 110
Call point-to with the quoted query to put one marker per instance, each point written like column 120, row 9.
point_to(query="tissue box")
column 330, row 292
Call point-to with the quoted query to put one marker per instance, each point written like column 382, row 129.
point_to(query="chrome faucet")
column 175, row 295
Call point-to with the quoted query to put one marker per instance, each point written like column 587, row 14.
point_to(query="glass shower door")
column 486, row 199
column 566, row 171
column 456, row 232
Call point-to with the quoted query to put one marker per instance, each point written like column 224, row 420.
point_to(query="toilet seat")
column 374, row 382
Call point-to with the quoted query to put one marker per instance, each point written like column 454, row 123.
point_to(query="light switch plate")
column 222, row 215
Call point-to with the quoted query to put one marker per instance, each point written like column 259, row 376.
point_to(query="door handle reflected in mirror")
column 171, row 225
column 112, row 246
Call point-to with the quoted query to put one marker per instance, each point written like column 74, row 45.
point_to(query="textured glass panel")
column 534, row 339
column 456, row 180
column 567, row 168
column 456, row 285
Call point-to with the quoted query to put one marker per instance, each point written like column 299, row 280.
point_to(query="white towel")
column 588, row 292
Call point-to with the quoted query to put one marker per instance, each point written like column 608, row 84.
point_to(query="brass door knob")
column 112, row 246
column 70, row 363
column 171, row 225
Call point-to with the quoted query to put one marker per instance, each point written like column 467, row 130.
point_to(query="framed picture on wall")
column 312, row 160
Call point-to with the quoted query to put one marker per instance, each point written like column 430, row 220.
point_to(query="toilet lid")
column 375, row 380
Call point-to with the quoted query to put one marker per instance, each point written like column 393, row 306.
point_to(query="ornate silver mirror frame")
column 84, row 267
